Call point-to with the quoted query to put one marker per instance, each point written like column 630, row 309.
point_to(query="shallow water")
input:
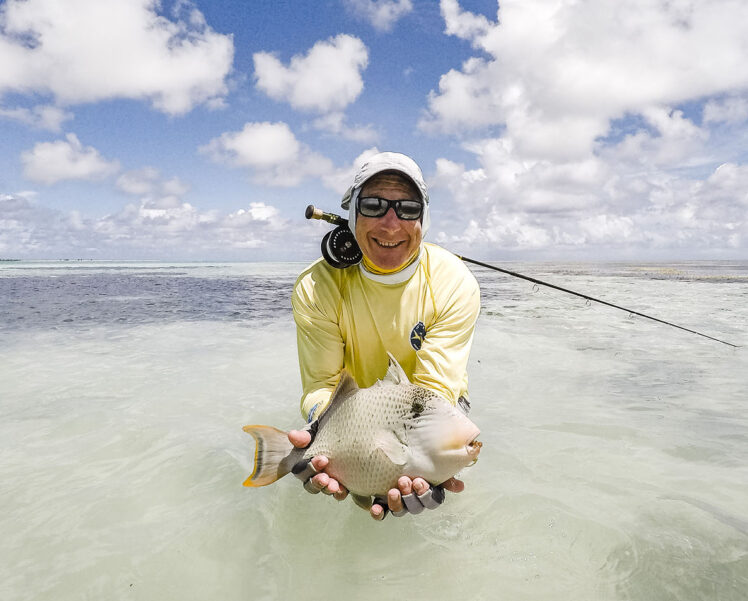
column 613, row 466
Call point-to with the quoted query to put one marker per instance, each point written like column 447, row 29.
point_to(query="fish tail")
column 272, row 448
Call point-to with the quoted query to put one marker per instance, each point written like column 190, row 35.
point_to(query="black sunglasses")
column 373, row 206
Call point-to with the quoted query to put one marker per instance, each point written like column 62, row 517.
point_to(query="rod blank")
column 591, row 298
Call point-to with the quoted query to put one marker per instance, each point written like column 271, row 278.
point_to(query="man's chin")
column 387, row 259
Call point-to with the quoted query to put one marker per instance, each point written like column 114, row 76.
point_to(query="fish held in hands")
column 373, row 436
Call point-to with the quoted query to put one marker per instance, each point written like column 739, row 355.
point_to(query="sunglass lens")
column 409, row 209
column 372, row 207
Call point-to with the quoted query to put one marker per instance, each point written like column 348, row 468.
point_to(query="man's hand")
column 312, row 474
column 402, row 497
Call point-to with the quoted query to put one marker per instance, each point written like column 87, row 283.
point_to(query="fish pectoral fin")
column 393, row 448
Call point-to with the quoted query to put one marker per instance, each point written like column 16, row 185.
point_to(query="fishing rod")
column 339, row 248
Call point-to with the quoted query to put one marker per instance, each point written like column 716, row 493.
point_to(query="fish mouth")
column 473, row 448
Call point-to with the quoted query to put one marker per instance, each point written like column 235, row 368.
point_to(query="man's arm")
column 319, row 342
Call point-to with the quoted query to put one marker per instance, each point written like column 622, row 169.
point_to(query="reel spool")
column 340, row 249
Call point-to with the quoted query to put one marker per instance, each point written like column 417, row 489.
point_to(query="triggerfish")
column 374, row 435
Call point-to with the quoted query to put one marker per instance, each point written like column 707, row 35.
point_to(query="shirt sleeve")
column 316, row 302
column 441, row 363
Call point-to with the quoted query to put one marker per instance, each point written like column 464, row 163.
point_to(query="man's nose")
column 390, row 219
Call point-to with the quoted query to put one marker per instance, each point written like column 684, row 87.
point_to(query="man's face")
column 388, row 241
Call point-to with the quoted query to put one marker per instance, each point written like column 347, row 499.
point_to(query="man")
column 414, row 300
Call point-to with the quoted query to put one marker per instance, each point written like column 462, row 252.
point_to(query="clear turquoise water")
column 613, row 467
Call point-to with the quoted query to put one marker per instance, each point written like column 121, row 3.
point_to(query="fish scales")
column 349, row 439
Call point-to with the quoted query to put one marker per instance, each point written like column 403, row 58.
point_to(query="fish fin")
column 364, row 502
column 395, row 374
column 346, row 387
column 272, row 448
column 392, row 447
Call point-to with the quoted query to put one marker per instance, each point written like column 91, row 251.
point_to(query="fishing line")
column 631, row 312
column 314, row 213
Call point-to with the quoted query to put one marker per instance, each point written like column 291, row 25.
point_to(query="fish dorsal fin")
column 346, row 387
column 395, row 374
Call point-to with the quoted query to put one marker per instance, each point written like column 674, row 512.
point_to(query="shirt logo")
column 417, row 335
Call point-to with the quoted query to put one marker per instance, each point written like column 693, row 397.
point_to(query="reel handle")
column 313, row 212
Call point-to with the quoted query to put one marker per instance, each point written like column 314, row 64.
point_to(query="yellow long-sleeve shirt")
column 346, row 320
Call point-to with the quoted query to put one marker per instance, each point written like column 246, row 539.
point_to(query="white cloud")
column 463, row 24
column 326, row 79
column 272, row 153
column 556, row 74
column 731, row 110
column 140, row 230
column 46, row 117
column 382, row 14
column 90, row 50
column 339, row 179
column 335, row 123
column 600, row 207
column 584, row 120
column 51, row 162
column 147, row 182
column 673, row 140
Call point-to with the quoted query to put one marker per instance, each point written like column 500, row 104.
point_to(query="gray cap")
column 387, row 161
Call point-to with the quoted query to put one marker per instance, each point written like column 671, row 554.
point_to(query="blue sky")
column 565, row 130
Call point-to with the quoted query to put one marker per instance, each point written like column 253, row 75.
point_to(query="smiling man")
column 414, row 300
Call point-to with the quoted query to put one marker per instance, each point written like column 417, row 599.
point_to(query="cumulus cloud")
column 596, row 125
column 162, row 221
column 551, row 72
column 142, row 229
column 51, row 162
column 463, row 24
column 112, row 49
column 147, row 182
column 271, row 152
column 632, row 207
column 325, row 79
column 730, row 110
column 27, row 229
column 46, row 117
column 335, row 123
column 382, row 14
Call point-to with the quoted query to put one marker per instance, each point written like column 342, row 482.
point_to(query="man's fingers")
column 300, row 438
column 432, row 497
column 395, row 503
column 304, row 470
column 316, row 484
column 315, row 480
column 332, row 488
column 405, row 485
column 341, row 494
column 377, row 512
column 412, row 504
column 320, row 462
column 420, row 486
